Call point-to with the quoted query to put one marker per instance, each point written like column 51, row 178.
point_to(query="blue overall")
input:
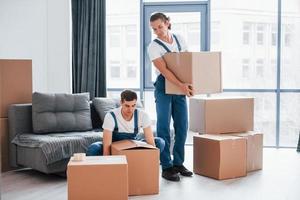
column 168, row 105
column 97, row 147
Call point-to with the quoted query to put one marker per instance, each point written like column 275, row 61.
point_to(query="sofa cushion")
column 104, row 105
column 60, row 112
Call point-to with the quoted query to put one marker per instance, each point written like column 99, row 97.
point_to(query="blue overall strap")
column 136, row 122
column 163, row 45
column 116, row 129
column 178, row 44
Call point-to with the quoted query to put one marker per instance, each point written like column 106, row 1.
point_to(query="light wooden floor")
column 279, row 180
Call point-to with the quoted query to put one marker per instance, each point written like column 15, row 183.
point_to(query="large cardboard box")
column 98, row 177
column 143, row 166
column 254, row 149
column 4, row 145
column 220, row 156
column 15, row 83
column 215, row 115
column 201, row 69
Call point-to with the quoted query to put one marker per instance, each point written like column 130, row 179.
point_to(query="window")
column 215, row 33
column 245, row 44
column 115, row 69
column 193, row 35
column 287, row 35
column 246, row 33
column 122, row 44
column 131, row 36
column 273, row 35
column 186, row 20
column 260, row 34
column 260, row 68
column 114, row 36
column 245, row 68
column 131, row 69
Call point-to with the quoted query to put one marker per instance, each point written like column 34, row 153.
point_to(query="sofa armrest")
column 19, row 121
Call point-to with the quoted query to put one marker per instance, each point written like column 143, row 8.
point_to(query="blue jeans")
column 168, row 106
column 96, row 148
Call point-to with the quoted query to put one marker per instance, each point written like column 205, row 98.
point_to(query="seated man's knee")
column 160, row 143
column 94, row 149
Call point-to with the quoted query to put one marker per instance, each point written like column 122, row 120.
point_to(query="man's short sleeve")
column 108, row 123
column 154, row 51
column 145, row 119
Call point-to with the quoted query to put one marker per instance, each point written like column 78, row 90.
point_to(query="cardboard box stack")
column 229, row 142
column 234, row 151
column 143, row 166
column 15, row 87
column 98, row 177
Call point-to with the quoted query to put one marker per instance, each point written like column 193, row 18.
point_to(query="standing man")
column 124, row 123
column 169, row 105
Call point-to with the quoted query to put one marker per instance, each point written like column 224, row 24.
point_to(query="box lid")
column 220, row 97
column 103, row 160
column 217, row 137
column 248, row 133
column 131, row 144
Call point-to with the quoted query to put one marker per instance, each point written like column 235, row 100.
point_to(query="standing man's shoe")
column 182, row 170
column 170, row 174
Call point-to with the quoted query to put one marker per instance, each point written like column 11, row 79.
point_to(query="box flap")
column 217, row 137
column 131, row 144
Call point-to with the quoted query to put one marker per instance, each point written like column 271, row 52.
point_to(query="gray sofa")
column 42, row 137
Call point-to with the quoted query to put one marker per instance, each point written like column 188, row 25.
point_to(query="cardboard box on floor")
column 254, row 149
column 201, row 69
column 98, row 177
column 220, row 156
column 143, row 166
column 216, row 115
column 15, row 87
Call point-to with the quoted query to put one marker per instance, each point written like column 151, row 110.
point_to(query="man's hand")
column 187, row 89
column 149, row 136
column 107, row 139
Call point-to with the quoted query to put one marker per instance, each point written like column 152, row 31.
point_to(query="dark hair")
column 161, row 16
column 128, row 95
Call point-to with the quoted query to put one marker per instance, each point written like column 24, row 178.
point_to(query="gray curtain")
column 88, row 47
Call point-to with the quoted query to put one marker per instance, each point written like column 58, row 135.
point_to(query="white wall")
column 39, row 30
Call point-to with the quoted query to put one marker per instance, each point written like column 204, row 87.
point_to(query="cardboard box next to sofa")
column 216, row 115
column 201, row 69
column 143, row 166
column 98, row 177
column 220, row 156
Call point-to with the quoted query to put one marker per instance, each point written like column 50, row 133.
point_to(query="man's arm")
column 160, row 64
column 149, row 136
column 107, row 139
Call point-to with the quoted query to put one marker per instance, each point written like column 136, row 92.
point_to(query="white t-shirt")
column 144, row 121
column 156, row 51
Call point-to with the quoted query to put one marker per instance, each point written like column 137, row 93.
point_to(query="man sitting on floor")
column 124, row 123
